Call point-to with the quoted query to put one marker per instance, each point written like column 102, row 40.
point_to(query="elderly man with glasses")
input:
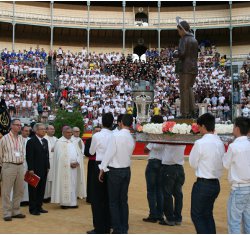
column 11, row 163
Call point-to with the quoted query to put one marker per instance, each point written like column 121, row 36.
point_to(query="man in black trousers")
column 116, row 163
column 91, row 166
column 37, row 157
column 99, row 200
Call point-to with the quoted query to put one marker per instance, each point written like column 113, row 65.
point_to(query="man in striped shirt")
column 11, row 163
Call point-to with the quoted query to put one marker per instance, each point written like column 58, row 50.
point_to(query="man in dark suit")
column 37, row 156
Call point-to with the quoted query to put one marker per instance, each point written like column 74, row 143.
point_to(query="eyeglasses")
column 16, row 124
column 41, row 129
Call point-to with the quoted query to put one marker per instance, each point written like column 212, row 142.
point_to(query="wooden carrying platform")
column 175, row 138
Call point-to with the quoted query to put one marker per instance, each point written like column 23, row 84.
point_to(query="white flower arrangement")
column 224, row 128
column 152, row 128
column 182, row 129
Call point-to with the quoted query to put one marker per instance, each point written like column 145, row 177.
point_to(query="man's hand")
column 74, row 164
column 101, row 175
column 31, row 172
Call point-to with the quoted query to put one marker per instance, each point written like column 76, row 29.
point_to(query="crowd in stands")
column 24, row 84
column 98, row 83
column 101, row 83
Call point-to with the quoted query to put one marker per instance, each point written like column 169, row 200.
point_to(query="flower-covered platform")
column 176, row 138
column 178, row 133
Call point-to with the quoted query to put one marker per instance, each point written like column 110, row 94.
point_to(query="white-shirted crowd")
column 100, row 83
column 24, row 84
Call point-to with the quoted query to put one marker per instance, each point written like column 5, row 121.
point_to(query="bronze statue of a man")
column 187, row 67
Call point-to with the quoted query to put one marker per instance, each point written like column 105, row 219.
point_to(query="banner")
column 4, row 118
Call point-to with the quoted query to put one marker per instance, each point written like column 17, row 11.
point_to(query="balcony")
column 81, row 22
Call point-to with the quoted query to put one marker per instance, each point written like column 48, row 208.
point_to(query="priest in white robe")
column 68, row 175
column 51, row 144
column 80, row 147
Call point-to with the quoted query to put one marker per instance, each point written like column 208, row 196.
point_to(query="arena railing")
column 152, row 22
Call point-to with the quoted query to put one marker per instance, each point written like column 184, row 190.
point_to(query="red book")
column 32, row 180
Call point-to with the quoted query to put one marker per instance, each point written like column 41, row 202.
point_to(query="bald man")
column 68, row 172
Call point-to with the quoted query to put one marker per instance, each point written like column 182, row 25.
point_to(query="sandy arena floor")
column 80, row 220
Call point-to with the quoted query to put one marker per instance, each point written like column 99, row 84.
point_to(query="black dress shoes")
column 166, row 222
column 24, row 204
column 43, row 211
column 7, row 218
column 47, row 200
column 69, row 207
column 35, row 213
column 19, row 216
column 91, row 232
column 150, row 220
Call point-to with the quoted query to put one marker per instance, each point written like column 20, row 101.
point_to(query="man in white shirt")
column 100, row 203
column 117, row 162
column 237, row 161
column 206, row 159
column 119, row 123
column 153, row 179
column 172, row 180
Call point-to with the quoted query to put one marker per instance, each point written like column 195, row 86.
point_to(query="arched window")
column 140, row 16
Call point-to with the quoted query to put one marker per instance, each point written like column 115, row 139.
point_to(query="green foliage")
column 64, row 118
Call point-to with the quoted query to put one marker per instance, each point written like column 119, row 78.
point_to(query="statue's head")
column 183, row 26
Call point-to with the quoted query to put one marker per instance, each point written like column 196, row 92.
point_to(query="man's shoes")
column 160, row 219
column 69, row 207
column 178, row 223
column 91, row 232
column 43, row 211
column 24, row 204
column 35, row 213
column 166, row 222
column 150, row 220
column 19, row 216
column 47, row 200
column 7, row 218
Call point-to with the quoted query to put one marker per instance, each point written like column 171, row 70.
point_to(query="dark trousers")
column 187, row 94
column 100, row 203
column 203, row 196
column 90, row 175
column 172, row 180
column 36, row 195
column 154, row 191
column 118, row 183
